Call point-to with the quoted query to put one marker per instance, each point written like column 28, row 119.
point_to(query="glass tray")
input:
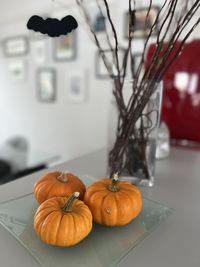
column 104, row 247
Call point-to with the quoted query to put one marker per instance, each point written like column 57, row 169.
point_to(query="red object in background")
column 181, row 94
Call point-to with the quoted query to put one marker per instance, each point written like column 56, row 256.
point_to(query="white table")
column 175, row 243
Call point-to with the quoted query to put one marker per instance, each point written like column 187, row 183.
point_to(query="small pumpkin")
column 62, row 221
column 58, row 184
column 113, row 202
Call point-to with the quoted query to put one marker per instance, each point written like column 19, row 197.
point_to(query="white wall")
column 61, row 127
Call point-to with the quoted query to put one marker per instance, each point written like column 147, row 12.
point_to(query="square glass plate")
column 104, row 247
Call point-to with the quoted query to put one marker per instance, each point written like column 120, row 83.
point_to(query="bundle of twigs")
column 173, row 22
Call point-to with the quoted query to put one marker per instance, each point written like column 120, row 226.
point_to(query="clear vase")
column 136, row 151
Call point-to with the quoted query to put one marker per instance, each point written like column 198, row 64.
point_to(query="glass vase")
column 132, row 152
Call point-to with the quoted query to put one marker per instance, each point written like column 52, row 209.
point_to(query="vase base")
column 139, row 181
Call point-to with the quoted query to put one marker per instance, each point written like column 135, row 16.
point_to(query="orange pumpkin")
column 62, row 221
column 58, row 184
column 113, row 202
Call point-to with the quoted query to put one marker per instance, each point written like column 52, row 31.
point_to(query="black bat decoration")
column 52, row 26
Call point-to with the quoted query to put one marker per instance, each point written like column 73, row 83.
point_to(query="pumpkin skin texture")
column 62, row 221
column 113, row 202
column 58, row 184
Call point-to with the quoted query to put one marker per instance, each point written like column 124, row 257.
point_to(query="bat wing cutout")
column 51, row 26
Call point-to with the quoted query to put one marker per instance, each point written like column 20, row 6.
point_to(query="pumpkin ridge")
column 42, row 223
column 86, row 214
column 58, row 228
column 38, row 189
column 102, row 202
column 41, row 209
column 74, row 223
column 135, row 200
column 37, row 223
column 86, row 223
column 51, row 186
column 43, row 180
column 77, row 207
column 47, row 188
column 91, row 201
column 50, row 218
column 116, row 207
column 49, row 214
column 128, row 198
column 95, row 194
column 123, row 192
column 54, row 237
column 89, row 214
column 134, row 190
column 61, row 223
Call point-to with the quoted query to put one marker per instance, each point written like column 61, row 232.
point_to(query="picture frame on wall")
column 40, row 52
column 140, row 27
column 46, row 84
column 16, row 46
column 65, row 47
column 76, row 86
column 17, row 70
column 100, row 69
column 100, row 23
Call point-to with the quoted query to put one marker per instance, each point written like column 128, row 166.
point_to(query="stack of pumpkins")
column 67, row 210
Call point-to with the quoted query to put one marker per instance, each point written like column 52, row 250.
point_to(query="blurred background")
column 55, row 93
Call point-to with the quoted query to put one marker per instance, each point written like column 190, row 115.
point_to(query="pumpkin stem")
column 63, row 177
column 68, row 206
column 114, row 186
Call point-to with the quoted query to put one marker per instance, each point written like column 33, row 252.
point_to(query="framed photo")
column 100, row 69
column 65, row 47
column 39, row 51
column 100, row 23
column 140, row 27
column 76, row 87
column 16, row 46
column 17, row 70
column 46, row 85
